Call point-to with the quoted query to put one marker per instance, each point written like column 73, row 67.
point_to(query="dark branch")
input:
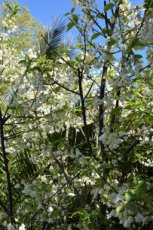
column 3, row 119
column 80, row 77
column 3, row 205
column 89, row 91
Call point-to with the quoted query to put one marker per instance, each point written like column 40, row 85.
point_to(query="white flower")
column 97, row 102
column 78, row 153
column 114, row 141
column 4, row 36
column 9, row 31
column 31, row 54
column 26, row 190
column 61, row 61
column 17, row 186
column 103, row 138
column 10, row 227
column 118, row 198
column 123, row 47
column 122, row 134
column 136, row 85
column 33, row 194
column 4, row 24
column 15, row 28
column 71, row 194
column 127, row 223
column 22, row 227
column 50, row 209
column 139, row 218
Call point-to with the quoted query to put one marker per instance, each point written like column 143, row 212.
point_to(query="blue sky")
column 45, row 10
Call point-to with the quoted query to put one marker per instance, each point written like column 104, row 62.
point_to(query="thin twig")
column 64, row 87
column 88, row 91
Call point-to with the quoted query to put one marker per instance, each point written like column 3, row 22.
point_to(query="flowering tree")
column 76, row 130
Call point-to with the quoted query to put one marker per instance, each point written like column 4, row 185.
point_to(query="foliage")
column 76, row 131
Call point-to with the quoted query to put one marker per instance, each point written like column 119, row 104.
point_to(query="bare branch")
column 64, row 87
column 89, row 90
column 3, row 205
column 80, row 77
column 3, row 119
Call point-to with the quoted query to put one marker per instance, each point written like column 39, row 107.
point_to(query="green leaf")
column 134, row 43
column 94, row 36
column 106, row 165
column 78, row 45
column 148, row 3
column 73, row 9
column 112, row 41
column 147, row 197
column 14, row 8
column 9, row 6
column 128, row 196
column 100, row 16
column 138, row 56
column 23, row 61
column 75, row 18
column 133, row 207
column 107, row 31
column 119, row 208
column 140, row 188
column 70, row 25
column 66, row 14
column 108, row 6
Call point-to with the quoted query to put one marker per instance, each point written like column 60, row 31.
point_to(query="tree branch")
column 3, row 205
column 101, row 97
column 3, row 119
column 64, row 87
column 80, row 77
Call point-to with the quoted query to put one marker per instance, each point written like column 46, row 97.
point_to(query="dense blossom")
column 77, row 128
